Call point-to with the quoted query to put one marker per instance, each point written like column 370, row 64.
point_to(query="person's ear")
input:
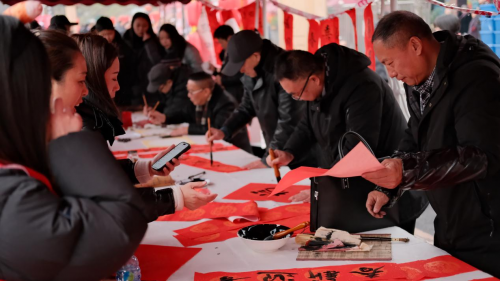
column 257, row 57
column 315, row 80
column 415, row 45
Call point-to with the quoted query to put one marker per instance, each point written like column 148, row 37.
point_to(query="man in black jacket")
column 212, row 102
column 264, row 98
column 342, row 95
column 169, row 81
column 452, row 146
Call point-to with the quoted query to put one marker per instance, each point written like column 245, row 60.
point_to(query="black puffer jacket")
column 355, row 99
column 160, row 202
column 265, row 99
column 127, row 77
column 87, row 232
column 453, row 151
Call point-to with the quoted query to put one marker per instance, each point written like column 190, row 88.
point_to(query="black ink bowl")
column 253, row 236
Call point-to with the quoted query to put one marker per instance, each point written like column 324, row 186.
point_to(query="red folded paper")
column 160, row 262
column 215, row 210
column 373, row 271
column 438, row 267
column 357, row 162
column 203, row 163
column 218, row 226
column 261, row 192
column 226, row 233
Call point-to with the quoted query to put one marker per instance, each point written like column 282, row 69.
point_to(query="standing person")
column 148, row 52
column 264, row 98
column 451, row 149
column 126, row 77
column 176, row 47
column 232, row 84
column 61, row 24
column 100, row 114
column 342, row 95
column 58, row 223
column 447, row 22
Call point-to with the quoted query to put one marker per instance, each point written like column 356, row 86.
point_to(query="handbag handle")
column 345, row 181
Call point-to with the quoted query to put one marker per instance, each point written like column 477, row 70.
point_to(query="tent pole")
column 257, row 14
column 264, row 17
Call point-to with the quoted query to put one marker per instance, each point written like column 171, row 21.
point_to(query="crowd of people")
column 69, row 210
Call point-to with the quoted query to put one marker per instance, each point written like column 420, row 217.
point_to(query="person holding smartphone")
column 99, row 113
column 58, row 223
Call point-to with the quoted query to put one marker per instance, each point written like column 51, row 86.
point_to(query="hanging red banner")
column 224, row 16
column 288, row 23
column 314, row 36
column 248, row 17
column 352, row 14
column 329, row 31
column 212, row 21
column 369, row 29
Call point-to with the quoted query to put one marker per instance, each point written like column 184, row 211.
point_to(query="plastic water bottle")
column 130, row 271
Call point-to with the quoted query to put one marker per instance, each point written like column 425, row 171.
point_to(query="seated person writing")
column 210, row 101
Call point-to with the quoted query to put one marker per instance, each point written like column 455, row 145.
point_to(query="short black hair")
column 297, row 64
column 223, row 32
column 203, row 79
column 398, row 27
column 448, row 22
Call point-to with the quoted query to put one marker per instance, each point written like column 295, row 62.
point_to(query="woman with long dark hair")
column 100, row 114
column 58, row 223
column 176, row 47
column 126, row 78
column 148, row 52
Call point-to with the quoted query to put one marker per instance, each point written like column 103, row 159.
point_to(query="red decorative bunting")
column 248, row 17
column 329, row 31
column 215, row 210
column 438, row 267
column 288, row 23
column 203, row 163
column 369, row 29
column 224, row 16
column 352, row 14
column 314, row 36
column 160, row 262
column 261, row 192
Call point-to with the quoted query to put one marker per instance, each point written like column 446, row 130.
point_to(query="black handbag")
column 341, row 203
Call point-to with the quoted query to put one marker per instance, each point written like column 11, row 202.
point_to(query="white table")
column 232, row 255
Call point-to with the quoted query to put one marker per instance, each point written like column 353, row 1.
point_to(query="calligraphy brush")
column 276, row 170
column 211, row 143
column 145, row 100
column 156, row 105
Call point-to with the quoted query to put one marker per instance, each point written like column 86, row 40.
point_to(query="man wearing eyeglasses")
column 263, row 96
column 342, row 95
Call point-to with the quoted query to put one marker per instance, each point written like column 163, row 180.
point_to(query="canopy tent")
column 103, row 2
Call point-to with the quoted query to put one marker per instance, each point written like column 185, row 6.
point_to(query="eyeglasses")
column 195, row 92
column 303, row 89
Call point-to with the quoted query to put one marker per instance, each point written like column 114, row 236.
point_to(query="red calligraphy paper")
column 248, row 17
column 160, row 262
column 215, row 210
column 486, row 279
column 374, row 271
column 438, row 267
column 214, row 24
column 288, row 30
column 369, row 29
column 203, row 163
column 329, row 31
column 225, row 234
column 218, row 226
column 352, row 14
column 314, row 36
column 261, row 191
column 205, row 148
column 357, row 162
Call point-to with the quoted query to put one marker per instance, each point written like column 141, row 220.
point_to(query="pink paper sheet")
column 357, row 162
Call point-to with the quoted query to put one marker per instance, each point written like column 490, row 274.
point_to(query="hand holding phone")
column 174, row 153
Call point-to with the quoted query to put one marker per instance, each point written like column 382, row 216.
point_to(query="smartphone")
column 174, row 153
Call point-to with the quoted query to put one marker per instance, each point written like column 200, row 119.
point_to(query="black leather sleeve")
column 158, row 203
